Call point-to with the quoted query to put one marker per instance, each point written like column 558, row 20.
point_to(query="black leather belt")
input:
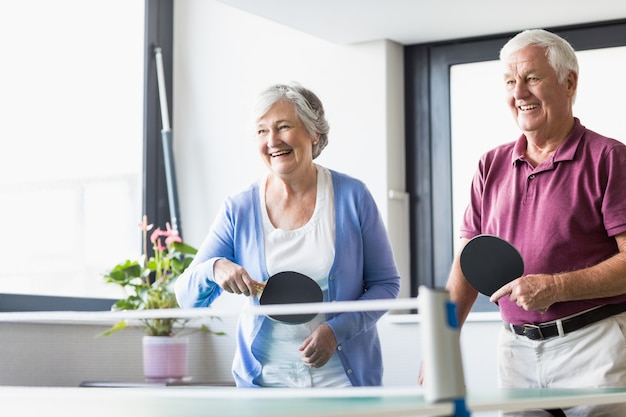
column 548, row 330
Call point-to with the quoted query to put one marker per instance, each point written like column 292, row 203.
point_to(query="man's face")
column 538, row 102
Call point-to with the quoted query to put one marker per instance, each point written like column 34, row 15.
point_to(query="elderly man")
column 558, row 193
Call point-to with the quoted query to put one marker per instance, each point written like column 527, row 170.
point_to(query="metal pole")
column 166, row 138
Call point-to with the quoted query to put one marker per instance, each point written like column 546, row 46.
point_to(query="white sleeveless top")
column 309, row 250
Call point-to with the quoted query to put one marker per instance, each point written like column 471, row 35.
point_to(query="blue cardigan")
column 363, row 269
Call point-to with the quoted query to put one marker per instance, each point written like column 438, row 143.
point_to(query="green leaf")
column 204, row 328
column 184, row 248
column 118, row 326
column 123, row 273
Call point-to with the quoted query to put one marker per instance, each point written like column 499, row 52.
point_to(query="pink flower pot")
column 165, row 358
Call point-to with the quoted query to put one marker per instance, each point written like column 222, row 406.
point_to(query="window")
column 75, row 136
column 437, row 78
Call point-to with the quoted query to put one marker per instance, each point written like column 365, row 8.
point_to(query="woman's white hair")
column 308, row 107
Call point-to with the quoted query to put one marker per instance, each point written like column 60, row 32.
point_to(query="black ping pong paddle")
column 290, row 287
column 489, row 262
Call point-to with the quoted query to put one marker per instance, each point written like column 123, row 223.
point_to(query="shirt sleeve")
column 196, row 287
column 614, row 203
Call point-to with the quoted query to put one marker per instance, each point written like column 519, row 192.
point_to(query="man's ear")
column 572, row 82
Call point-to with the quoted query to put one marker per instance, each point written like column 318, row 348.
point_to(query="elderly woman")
column 306, row 218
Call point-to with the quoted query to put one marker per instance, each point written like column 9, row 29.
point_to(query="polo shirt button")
column 339, row 347
column 532, row 177
column 332, row 277
column 349, row 371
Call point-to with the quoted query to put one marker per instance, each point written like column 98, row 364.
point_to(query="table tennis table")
column 279, row 402
column 445, row 395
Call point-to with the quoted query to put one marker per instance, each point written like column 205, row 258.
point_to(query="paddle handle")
column 260, row 286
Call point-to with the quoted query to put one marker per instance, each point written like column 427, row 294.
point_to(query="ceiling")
column 422, row 21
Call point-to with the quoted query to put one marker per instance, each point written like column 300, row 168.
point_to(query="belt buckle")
column 526, row 327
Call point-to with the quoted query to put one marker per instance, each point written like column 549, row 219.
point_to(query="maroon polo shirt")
column 562, row 215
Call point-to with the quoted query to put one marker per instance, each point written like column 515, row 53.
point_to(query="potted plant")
column 149, row 285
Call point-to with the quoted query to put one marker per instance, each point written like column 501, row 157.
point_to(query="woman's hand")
column 319, row 347
column 233, row 278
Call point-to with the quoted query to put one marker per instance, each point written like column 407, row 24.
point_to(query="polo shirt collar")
column 565, row 152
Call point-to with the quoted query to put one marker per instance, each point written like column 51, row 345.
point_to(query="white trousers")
column 591, row 357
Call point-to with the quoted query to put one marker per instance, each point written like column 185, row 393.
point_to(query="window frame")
column 159, row 32
column 428, row 137
column 159, row 26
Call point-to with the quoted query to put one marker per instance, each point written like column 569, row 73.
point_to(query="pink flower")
column 171, row 235
column 154, row 238
column 144, row 224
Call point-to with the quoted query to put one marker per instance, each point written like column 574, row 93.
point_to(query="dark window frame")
column 428, row 153
column 159, row 32
column 159, row 24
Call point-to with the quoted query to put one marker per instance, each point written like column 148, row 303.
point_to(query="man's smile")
column 527, row 107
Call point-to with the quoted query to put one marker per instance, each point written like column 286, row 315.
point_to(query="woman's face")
column 283, row 142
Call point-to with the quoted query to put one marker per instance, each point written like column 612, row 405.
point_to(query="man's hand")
column 530, row 292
